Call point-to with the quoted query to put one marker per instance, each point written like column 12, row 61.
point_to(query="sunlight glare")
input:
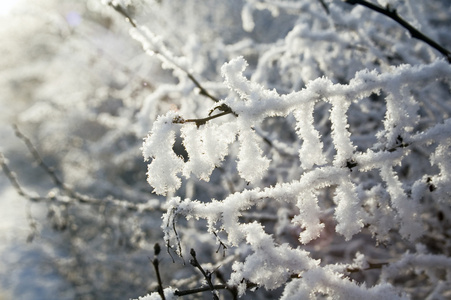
column 6, row 6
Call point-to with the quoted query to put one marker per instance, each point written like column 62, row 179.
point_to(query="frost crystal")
column 270, row 264
column 324, row 154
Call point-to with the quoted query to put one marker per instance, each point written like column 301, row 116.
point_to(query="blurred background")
column 63, row 69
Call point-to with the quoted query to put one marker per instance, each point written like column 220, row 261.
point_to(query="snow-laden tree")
column 301, row 149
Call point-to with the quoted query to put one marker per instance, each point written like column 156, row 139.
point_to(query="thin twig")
column 221, row 244
column 200, row 290
column 265, row 139
column 13, row 179
column 168, row 246
column 123, row 12
column 393, row 14
column 202, row 91
column 324, row 5
column 83, row 199
column 249, row 285
column 371, row 266
column 207, row 274
column 32, row 224
column 34, row 152
column 155, row 264
column 232, row 289
column 201, row 121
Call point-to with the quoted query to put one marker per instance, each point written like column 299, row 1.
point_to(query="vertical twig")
column 155, row 264
column 207, row 274
column 324, row 5
column 221, row 244
column 168, row 246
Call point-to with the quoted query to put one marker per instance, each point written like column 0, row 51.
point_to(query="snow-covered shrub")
column 299, row 147
column 366, row 141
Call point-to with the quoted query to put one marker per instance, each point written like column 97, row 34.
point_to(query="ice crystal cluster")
column 366, row 157
column 301, row 148
column 367, row 190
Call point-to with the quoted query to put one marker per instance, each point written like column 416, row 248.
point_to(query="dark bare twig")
column 431, row 187
column 324, row 5
column 399, row 144
column 393, row 14
column 123, row 12
column 216, row 287
column 202, row 121
column 203, row 91
column 223, row 107
column 221, row 244
column 200, row 290
column 206, row 274
column 155, row 264
column 232, row 289
column 351, row 163
column 168, row 246
column 249, row 285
